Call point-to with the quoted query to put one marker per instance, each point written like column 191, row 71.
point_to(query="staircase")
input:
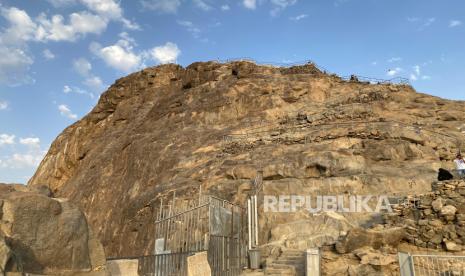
column 289, row 263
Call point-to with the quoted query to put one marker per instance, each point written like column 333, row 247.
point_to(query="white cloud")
column 31, row 141
column 21, row 27
column 119, row 56
column 80, row 24
column 61, row 3
column 429, row 21
column 25, row 160
column 67, row 89
column 225, row 8
column 76, row 90
column 14, row 66
column 48, row 54
column 394, row 59
column 413, row 19
column 455, row 23
column 417, row 73
column 65, row 111
column 3, row 105
column 82, row 66
column 123, row 57
column 190, row 27
column 110, row 9
column 250, row 4
column 298, row 17
column 31, row 157
column 423, row 22
column 417, row 70
column 202, row 5
column 94, row 83
column 280, row 5
column 167, row 53
column 393, row 72
column 163, row 6
column 6, row 139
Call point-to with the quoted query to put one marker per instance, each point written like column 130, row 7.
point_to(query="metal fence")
column 213, row 225
column 397, row 80
column 429, row 265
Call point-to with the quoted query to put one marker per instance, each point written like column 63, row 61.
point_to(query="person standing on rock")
column 460, row 164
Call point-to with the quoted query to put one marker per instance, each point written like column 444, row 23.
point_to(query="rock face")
column 44, row 235
column 214, row 125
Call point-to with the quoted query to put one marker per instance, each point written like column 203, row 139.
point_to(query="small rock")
column 437, row 204
column 452, row 246
column 448, row 210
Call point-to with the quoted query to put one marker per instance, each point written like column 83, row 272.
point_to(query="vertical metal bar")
column 256, row 221
column 249, row 223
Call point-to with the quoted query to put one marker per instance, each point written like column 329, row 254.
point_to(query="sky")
column 58, row 56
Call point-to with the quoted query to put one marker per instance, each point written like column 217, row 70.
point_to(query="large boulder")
column 46, row 235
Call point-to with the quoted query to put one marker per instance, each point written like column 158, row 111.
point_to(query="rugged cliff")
column 214, row 125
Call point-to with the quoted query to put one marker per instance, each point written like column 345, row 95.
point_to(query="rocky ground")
column 214, row 125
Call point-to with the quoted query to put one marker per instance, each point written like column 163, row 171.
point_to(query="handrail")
column 397, row 80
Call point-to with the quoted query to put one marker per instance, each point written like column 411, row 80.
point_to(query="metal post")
column 256, row 220
column 249, row 222
column 406, row 264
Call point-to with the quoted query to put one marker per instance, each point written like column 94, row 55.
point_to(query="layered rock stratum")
column 214, row 125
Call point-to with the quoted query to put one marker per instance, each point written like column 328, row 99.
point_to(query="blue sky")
column 57, row 56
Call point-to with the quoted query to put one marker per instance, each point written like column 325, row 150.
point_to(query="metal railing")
column 428, row 265
column 206, row 224
column 397, row 80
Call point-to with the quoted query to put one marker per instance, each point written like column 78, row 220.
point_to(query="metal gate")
column 213, row 225
column 437, row 265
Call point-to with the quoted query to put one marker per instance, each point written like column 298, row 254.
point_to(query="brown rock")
column 358, row 237
column 48, row 235
column 5, row 254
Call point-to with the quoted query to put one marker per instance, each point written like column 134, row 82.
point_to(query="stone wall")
column 435, row 220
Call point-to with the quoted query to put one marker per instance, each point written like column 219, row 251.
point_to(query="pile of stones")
column 435, row 220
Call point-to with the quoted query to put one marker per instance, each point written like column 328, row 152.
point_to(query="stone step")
column 290, row 262
column 250, row 272
column 292, row 258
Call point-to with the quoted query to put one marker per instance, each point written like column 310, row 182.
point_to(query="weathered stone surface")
column 197, row 265
column 358, row 237
column 448, row 210
column 5, row 254
column 313, row 232
column 163, row 129
column 123, row 267
column 370, row 256
column 47, row 235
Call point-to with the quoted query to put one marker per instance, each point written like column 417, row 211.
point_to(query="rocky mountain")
column 214, row 125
